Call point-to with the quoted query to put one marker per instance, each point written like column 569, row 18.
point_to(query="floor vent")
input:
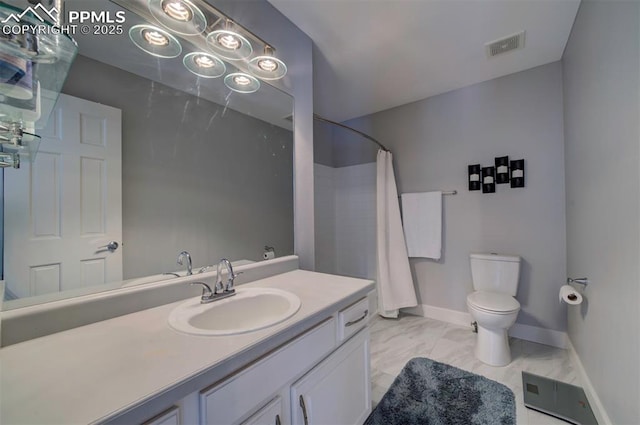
column 506, row 44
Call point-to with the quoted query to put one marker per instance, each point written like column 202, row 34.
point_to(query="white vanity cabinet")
column 330, row 374
column 337, row 390
column 174, row 378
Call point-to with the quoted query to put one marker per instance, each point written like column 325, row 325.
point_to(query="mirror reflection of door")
column 70, row 200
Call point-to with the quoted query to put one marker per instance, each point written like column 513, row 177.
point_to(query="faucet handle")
column 205, row 268
column 229, row 286
column 219, row 287
column 206, row 290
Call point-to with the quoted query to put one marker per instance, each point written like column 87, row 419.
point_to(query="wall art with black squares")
column 501, row 172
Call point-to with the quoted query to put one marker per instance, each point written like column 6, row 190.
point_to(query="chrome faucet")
column 220, row 291
column 185, row 254
column 230, row 276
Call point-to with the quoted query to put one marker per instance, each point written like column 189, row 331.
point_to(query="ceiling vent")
column 506, row 44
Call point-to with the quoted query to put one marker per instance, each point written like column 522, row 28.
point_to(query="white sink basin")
column 249, row 310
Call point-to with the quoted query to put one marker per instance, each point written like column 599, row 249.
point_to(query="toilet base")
column 492, row 347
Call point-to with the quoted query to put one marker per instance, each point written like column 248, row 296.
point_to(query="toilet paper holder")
column 581, row 281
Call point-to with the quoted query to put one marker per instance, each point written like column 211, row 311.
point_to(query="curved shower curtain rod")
column 366, row 136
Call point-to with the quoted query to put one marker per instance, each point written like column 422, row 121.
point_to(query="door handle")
column 111, row 246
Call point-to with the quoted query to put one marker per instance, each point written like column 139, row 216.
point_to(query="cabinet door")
column 337, row 391
column 271, row 414
column 246, row 391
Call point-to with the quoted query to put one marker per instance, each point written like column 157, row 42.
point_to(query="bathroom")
column 576, row 216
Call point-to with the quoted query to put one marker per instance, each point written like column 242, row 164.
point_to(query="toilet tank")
column 495, row 272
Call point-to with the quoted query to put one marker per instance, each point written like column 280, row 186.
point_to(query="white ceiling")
column 371, row 55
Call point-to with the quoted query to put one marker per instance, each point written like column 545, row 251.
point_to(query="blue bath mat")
column 427, row 392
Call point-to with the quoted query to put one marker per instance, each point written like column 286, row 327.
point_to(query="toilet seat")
column 493, row 302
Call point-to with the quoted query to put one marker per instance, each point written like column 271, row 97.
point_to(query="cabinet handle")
column 278, row 420
column 304, row 411
column 353, row 322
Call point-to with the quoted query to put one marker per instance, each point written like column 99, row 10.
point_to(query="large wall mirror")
column 142, row 152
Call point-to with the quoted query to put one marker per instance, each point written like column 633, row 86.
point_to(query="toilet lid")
column 493, row 301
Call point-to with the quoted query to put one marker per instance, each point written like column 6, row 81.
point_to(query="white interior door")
column 61, row 210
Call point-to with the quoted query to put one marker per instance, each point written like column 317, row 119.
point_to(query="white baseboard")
column 539, row 335
column 594, row 401
column 455, row 317
column 460, row 318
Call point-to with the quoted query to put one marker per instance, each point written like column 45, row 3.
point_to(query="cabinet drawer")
column 271, row 414
column 352, row 319
column 232, row 400
column 168, row 417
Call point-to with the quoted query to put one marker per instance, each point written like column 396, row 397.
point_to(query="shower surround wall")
column 345, row 202
column 345, row 214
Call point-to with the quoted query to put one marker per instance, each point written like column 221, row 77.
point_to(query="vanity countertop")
column 97, row 372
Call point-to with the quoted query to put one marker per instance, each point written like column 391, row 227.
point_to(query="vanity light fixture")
column 241, row 82
column 207, row 29
column 155, row 41
column 229, row 44
column 267, row 66
column 204, row 65
column 180, row 16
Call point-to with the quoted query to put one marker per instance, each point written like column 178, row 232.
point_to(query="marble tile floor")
column 396, row 341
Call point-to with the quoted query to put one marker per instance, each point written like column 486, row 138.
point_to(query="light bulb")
column 204, row 65
column 177, row 10
column 155, row 41
column 241, row 83
column 268, row 65
column 204, row 61
column 228, row 41
column 155, row 38
column 241, row 80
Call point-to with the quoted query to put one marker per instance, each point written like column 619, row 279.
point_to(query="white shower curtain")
column 395, row 285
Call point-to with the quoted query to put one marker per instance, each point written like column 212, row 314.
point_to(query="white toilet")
column 493, row 306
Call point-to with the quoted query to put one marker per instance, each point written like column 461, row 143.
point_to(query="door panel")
column 63, row 209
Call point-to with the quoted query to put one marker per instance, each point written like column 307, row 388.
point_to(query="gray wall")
column 323, row 143
column 337, row 147
column 601, row 93
column 217, row 187
column 434, row 140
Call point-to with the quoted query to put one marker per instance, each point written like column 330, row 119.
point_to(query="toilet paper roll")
column 269, row 255
column 569, row 295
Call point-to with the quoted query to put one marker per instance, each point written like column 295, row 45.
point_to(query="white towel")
column 422, row 223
